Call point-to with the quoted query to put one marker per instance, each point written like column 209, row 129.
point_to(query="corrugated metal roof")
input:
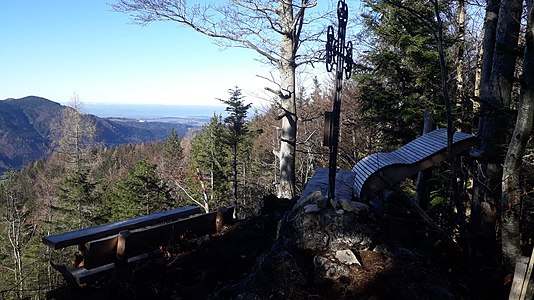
column 379, row 170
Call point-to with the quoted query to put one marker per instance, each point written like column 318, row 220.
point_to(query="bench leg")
column 69, row 278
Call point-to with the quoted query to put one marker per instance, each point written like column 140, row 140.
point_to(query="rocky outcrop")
column 315, row 242
column 338, row 250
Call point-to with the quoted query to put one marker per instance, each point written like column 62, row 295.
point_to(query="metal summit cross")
column 339, row 55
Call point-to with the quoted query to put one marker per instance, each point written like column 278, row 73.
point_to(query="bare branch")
column 204, row 205
column 254, row 7
column 275, row 29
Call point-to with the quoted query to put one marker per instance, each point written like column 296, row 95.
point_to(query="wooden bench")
column 380, row 170
column 106, row 248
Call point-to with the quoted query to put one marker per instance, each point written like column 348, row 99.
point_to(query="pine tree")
column 173, row 146
column 208, row 162
column 78, row 200
column 141, row 192
column 236, row 122
column 172, row 157
column 74, row 145
column 400, row 77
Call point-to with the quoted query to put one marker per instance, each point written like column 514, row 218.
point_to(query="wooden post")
column 121, row 258
column 219, row 219
column 522, row 273
column 80, row 256
column 527, row 278
column 521, row 267
column 422, row 194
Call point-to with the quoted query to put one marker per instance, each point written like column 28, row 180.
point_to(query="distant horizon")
column 143, row 104
column 55, row 49
column 151, row 111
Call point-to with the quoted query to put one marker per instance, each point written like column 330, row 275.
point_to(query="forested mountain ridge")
column 27, row 126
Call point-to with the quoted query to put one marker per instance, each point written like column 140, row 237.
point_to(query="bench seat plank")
column 319, row 182
column 86, row 276
column 83, row 276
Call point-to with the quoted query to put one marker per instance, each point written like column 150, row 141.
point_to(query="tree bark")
column 488, row 44
column 461, row 101
column 287, row 67
column 495, row 94
column 511, row 190
column 506, row 52
column 479, row 205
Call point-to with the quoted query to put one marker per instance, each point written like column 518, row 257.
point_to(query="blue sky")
column 55, row 48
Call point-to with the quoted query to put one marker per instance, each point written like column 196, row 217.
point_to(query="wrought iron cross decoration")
column 339, row 55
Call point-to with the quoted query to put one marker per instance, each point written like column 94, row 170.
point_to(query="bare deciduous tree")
column 272, row 28
column 75, row 134
column 19, row 231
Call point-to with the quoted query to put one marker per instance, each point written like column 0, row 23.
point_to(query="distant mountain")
column 26, row 125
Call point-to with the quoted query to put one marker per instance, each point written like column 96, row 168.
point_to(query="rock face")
column 340, row 253
column 318, row 243
column 326, row 230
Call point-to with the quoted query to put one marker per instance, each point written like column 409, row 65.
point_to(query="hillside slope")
column 26, row 125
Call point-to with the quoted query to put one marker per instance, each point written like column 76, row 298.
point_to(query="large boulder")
column 338, row 253
column 311, row 245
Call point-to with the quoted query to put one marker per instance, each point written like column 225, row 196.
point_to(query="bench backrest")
column 81, row 236
column 104, row 251
column 379, row 170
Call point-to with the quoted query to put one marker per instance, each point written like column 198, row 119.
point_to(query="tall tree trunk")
column 287, row 67
column 506, row 52
column 234, row 166
column 511, row 191
column 14, row 221
column 488, row 45
column 286, row 188
column 495, row 94
column 451, row 158
column 487, row 49
column 478, row 204
column 478, row 78
column 461, row 101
